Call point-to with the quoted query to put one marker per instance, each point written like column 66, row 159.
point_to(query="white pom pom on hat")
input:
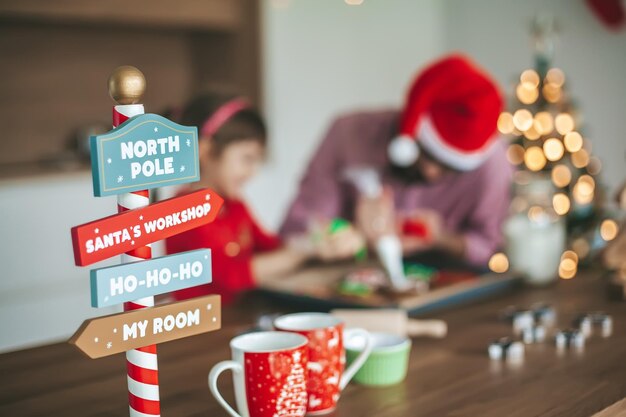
column 403, row 150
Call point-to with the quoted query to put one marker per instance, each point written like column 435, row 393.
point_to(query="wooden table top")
column 449, row 377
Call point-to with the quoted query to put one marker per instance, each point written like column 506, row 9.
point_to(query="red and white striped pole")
column 126, row 86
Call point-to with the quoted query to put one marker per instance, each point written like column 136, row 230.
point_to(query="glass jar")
column 535, row 235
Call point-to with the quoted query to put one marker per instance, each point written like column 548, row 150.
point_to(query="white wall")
column 322, row 58
column 496, row 33
column 43, row 296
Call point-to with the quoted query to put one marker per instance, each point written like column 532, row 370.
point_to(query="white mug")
column 269, row 375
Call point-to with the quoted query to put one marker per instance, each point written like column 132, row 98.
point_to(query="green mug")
column 387, row 364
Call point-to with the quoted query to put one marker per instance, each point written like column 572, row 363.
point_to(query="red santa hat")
column 452, row 110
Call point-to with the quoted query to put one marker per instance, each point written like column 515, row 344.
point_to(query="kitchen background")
column 303, row 61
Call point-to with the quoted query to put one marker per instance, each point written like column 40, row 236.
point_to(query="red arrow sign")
column 104, row 336
column 120, row 233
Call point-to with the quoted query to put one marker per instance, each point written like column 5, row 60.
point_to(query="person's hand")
column 421, row 230
column 327, row 242
column 339, row 245
column 376, row 217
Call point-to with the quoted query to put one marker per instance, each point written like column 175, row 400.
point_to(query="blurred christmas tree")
column 548, row 143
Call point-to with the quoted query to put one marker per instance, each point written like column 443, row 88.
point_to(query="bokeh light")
column 561, row 204
column 555, row 76
column 583, row 192
column 536, row 213
column 573, row 141
column 561, row 175
column 609, row 229
column 532, row 133
column 568, row 254
column 580, row 159
column 505, row 123
column 553, row 149
column 564, row 123
column 544, row 123
column 587, row 179
column 567, row 268
column 526, row 93
column 515, row 154
column 529, row 78
column 522, row 119
column 534, row 158
column 499, row 263
column 552, row 93
column 568, row 264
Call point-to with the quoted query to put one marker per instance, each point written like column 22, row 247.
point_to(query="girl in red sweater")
column 232, row 146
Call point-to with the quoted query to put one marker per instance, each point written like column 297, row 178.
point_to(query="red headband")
column 222, row 115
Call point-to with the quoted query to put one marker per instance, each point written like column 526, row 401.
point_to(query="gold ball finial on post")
column 127, row 85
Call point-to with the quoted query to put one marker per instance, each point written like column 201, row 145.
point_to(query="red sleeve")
column 231, row 274
column 264, row 241
column 181, row 242
column 176, row 244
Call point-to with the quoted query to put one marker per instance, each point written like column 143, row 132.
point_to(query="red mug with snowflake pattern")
column 327, row 357
column 269, row 375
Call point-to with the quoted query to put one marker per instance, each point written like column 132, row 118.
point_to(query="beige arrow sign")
column 108, row 335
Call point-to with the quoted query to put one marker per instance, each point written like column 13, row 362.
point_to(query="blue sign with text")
column 127, row 282
column 146, row 151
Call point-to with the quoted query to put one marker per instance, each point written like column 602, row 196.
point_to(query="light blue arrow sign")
column 120, row 283
column 146, row 151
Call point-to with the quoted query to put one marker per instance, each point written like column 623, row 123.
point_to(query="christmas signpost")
column 104, row 336
column 121, row 283
column 123, row 162
column 144, row 151
column 131, row 230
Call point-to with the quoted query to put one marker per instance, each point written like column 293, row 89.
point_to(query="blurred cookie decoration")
column 362, row 282
column 420, row 272
column 417, row 287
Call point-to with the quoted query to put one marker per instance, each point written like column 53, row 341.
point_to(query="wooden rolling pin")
column 391, row 321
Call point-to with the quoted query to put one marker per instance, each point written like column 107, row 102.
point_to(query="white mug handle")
column 214, row 374
column 360, row 360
